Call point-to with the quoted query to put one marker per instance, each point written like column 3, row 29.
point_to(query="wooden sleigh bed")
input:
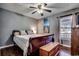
column 30, row 44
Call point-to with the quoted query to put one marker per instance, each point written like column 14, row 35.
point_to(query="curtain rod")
column 68, row 15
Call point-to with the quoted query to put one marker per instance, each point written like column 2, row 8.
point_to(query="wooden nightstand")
column 50, row 49
column 0, row 52
column 3, row 49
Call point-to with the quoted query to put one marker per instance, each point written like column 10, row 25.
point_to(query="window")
column 65, row 30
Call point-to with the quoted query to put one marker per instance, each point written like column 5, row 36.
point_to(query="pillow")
column 30, row 32
column 23, row 33
column 16, row 33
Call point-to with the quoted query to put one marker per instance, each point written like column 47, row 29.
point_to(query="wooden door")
column 75, row 41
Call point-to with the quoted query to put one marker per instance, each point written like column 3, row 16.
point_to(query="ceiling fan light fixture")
column 40, row 11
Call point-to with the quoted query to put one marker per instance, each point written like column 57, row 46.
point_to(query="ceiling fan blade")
column 47, row 10
column 41, row 14
column 34, row 12
column 32, row 7
column 45, row 4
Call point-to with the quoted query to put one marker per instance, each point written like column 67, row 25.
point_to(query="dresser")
column 50, row 49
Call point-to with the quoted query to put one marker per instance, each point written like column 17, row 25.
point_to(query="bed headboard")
column 16, row 32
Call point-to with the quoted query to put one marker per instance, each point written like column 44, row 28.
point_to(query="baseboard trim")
column 65, row 45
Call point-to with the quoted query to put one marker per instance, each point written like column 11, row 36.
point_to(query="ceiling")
column 23, row 8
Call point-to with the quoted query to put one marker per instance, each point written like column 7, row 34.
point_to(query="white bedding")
column 23, row 41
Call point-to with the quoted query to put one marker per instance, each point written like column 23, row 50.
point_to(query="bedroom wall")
column 53, row 23
column 10, row 21
column 0, row 26
column 40, row 26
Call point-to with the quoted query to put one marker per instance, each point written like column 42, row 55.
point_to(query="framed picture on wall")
column 46, row 29
column 46, row 26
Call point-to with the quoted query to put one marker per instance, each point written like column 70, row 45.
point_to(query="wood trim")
column 43, row 36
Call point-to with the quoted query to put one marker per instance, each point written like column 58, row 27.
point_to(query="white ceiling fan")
column 40, row 8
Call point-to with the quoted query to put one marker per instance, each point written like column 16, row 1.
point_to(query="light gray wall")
column 0, row 25
column 53, row 23
column 40, row 26
column 10, row 21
